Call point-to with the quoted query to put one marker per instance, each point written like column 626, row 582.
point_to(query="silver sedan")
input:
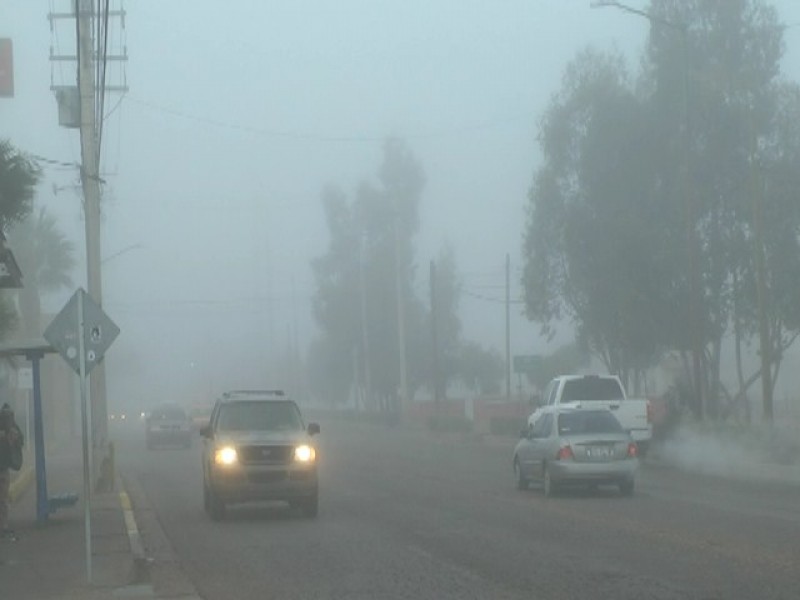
column 565, row 447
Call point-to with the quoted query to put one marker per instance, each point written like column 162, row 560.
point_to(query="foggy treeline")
column 665, row 215
column 370, row 266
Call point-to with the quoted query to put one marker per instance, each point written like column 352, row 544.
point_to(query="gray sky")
column 239, row 113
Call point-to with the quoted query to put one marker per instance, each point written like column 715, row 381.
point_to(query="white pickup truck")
column 600, row 391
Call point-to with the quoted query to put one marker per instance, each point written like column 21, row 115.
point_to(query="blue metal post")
column 42, row 506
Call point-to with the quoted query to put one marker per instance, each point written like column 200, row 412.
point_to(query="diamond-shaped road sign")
column 99, row 332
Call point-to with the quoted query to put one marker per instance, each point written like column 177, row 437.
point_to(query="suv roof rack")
column 246, row 393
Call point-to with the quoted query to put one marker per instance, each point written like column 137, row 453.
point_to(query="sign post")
column 25, row 383
column 87, row 440
column 82, row 333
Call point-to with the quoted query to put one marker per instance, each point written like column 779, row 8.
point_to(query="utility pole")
column 401, row 325
column 81, row 107
column 364, row 330
column 508, row 327
column 435, row 337
column 90, row 180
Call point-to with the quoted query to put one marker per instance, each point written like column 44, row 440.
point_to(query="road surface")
column 409, row 515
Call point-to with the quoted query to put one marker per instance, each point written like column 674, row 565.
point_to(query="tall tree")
column 448, row 324
column 370, row 250
column 732, row 52
column 597, row 250
column 19, row 176
column 46, row 258
column 694, row 164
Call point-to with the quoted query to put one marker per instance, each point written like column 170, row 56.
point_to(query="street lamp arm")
column 639, row 12
column 120, row 252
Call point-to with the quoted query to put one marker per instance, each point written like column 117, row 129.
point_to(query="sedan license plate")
column 599, row 452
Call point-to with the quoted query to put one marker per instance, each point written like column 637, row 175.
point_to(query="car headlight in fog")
column 226, row 455
column 305, row 454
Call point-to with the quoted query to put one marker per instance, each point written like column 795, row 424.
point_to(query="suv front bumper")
column 237, row 483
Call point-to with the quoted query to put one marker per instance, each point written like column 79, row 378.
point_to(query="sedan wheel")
column 522, row 481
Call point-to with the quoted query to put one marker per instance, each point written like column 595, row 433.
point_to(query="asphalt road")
column 408, row 515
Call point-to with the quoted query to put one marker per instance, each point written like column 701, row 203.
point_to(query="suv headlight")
column 226, row 455
column 305, row 454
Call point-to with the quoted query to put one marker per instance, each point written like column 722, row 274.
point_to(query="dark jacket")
column 10, row 453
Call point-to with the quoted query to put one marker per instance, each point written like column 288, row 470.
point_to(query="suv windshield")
column 589, row 421
column 259, row 416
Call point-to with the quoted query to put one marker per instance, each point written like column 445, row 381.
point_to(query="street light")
column 121, row 252
column 695, row 300
column 636, row 11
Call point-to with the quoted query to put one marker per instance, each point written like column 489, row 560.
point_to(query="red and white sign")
column 6, row 68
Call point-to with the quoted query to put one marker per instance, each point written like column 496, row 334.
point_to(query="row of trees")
column 672, row 187
column 367, row 284
column 45, row 256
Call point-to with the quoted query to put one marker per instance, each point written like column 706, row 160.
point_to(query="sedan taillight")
column 565, row 453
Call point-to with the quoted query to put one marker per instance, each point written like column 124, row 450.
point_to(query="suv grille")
column 265, row 455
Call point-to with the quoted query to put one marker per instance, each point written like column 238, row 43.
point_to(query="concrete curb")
column 140, row 562
column 20, row 484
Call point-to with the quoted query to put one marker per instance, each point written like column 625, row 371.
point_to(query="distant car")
column 256, row 448
column 568, row 447
column 168, row 425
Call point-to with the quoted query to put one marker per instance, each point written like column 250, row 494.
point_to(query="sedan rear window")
column 588, row 421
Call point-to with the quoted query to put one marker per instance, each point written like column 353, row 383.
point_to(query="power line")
column 319, row 137
column 289, row 296
column 54, row 162
column 115, row 107
column 102, row 63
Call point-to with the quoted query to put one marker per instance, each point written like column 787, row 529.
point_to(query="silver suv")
column 255, row 448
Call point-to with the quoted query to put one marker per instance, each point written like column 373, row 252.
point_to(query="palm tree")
column 46, row 258
column 18, row 178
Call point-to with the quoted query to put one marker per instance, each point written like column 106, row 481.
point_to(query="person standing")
column 10, row 458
